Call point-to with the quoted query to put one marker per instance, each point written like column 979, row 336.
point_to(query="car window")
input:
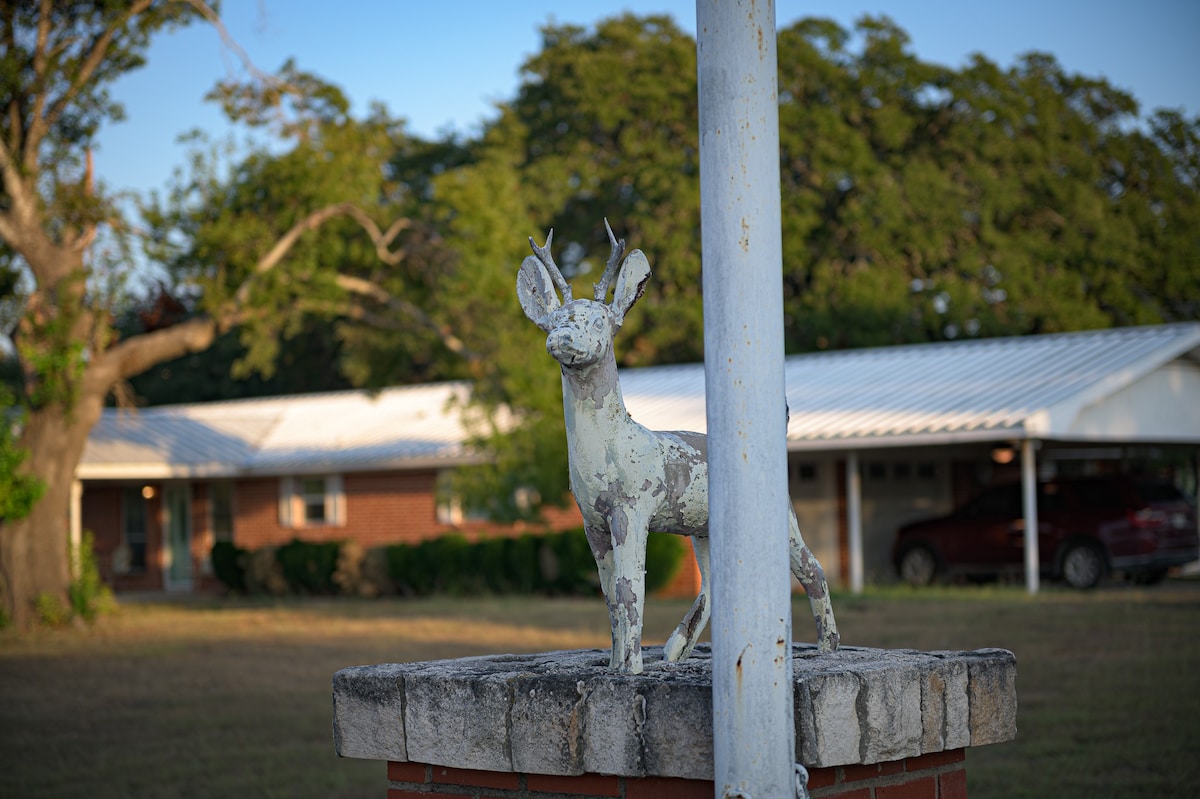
column 1050, row 498
column 1100, row 495
column 1000, row 501
column 1158, row 491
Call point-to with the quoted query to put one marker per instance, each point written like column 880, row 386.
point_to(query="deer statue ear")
column 535, row 291
column 631, row 284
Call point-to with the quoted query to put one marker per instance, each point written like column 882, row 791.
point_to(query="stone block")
column 547, row 723
column 458, row 717
column 890, row 710
column 368, row 713
column 992, row 691
column 826, row 716
column 678, row 699
column 945, row 711
column 613, row 715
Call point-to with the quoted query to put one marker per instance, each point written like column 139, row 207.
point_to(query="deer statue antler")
column 610, row 269
column 543, row 254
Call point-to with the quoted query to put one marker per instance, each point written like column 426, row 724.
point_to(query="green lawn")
column 206, row 698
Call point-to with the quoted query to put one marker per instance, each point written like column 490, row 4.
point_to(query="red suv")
column 1087, row 527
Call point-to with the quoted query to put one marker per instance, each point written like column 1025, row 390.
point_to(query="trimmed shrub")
column 664, row 554
column 227, row 562
column 308, row 566
column 263, row 573
column 375, row 578
column 558, row 564
column 347, row 573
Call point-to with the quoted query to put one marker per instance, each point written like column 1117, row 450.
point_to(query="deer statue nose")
column 563, row 346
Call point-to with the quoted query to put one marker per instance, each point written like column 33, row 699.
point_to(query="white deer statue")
column 628, row 480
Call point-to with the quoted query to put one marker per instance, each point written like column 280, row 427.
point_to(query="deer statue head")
column 580, row 332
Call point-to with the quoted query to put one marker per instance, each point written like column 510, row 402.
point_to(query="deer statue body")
column 626, row 479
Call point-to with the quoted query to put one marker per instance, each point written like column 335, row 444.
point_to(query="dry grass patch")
column 206, row 698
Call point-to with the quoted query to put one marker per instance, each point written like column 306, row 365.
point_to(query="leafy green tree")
column 923, row 203
column 605, row 125
column 56, row 64
column 19, row 491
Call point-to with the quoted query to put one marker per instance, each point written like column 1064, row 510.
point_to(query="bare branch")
column 381, row 240
column 353, row 285
column 364, row 288
column 214, row 19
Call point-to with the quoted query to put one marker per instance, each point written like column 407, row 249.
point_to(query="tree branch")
column 90, row 63
column 353, row 285
column 135, row 355
column 365, row 288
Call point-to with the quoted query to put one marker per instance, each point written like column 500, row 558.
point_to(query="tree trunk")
column 34, row 551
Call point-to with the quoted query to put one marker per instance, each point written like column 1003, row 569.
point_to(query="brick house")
column 162, row 485
column 876, row 438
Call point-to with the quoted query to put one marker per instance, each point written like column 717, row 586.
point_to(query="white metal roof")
column 980, row 390
column 409, row 427
column 1126, row 384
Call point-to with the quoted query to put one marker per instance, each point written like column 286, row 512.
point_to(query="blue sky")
column 444, row 65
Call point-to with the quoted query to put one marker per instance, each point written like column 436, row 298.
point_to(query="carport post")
column 75, row 527
column 1029, row 495
column 854, row 521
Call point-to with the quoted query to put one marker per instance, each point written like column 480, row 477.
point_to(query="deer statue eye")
column 598, row 324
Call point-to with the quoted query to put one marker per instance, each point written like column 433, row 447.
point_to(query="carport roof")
column 1049, row 386
column 1138, row 384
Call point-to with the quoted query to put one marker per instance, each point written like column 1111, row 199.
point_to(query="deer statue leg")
column 601, row 545
column 683, row 640
column 808, row 571
column 627, row 601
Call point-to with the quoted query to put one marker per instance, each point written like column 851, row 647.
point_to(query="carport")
column 1124, row 387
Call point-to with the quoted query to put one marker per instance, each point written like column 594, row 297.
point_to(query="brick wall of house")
column 941, row 775
column 381, row 508
column 101, row 513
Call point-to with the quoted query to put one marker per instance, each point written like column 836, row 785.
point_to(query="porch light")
column 148, row 492
column 1003, row 455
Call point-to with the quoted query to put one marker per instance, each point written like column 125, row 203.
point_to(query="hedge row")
column 555, row 564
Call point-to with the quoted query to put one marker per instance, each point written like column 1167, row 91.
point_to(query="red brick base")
column 935, row 776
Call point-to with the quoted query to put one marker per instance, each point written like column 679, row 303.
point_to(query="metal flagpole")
column 753, row 728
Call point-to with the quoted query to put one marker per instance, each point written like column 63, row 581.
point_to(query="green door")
column 177, row 503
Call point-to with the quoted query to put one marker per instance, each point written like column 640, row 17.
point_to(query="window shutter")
column 287, row 490
column 335, row 500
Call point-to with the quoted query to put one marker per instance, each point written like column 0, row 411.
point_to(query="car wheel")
column 918, row 566
column 1082, row 566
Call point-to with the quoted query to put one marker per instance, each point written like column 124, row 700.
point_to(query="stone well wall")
column 561, row 723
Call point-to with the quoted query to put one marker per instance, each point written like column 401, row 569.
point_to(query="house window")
column 221, row 507
column 312, row 501
column 312, row 498
column 803, row 472
column 131, row 557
